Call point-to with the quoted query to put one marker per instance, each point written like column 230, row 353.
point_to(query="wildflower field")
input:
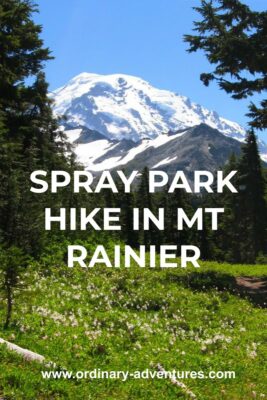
column 133, row 319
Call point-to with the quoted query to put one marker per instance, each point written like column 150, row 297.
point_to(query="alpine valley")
column 121, row 121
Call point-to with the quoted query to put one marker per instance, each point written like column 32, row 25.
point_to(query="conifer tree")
column 144, row 199
column 226, row 240
column 28, row 133
column 13, row 262
column 126, row 204
column 233, row 38
column 204, row 243
column 173, row 201
column 252, row 204
column 241, row 236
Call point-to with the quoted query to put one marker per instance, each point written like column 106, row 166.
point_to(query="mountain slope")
column 126, row 107
column 197, row 148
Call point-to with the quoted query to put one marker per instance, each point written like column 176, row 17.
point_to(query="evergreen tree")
column 126, row 203
column 173, row 201
column 225, row 242
column 204, row 243
column 28, row 129
column 252, row 204
column 241, row 236
column 13, row 262
column 233, row 38
column 28, row 133
column 144, row 199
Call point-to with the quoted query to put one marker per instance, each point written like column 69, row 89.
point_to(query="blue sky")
column 135, row 37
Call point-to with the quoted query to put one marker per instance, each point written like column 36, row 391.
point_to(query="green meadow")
column 133, row 319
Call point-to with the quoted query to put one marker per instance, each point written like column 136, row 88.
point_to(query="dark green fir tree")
column 233, row 37
column 252, row 204
column 28, row 133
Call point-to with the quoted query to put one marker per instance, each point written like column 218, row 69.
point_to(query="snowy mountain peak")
column 122, row 106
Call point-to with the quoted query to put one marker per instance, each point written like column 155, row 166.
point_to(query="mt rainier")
column 114, row 119
column 126, row 107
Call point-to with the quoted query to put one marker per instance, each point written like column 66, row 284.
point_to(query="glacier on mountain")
column 126, row 107
column 126, row 115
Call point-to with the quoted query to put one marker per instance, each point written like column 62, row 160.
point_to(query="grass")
column 129, row 319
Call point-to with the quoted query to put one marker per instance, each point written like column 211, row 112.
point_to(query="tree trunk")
column 9, row 304
column 26, row 354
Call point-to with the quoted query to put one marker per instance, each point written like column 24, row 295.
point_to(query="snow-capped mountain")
column 126, row 107
column 121, row 120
